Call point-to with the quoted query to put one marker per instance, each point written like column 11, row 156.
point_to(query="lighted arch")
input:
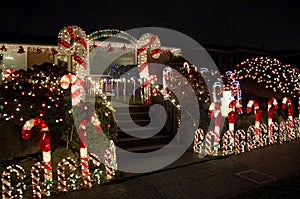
column 107, row 33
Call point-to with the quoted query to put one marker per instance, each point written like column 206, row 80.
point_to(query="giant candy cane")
column 73, row 40
column 83, row 146
column 272, row 105
column 214, row 110
column 257, row 113
column 44, row 144
column 287, row 103
column 146, row 41
column 235, row 104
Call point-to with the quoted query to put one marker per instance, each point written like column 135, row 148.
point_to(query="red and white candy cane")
column 239, row 144
column 208, row 143
column 62, row 180
column 8, row 74
column 7, row 189
column 297, row 124
column 214, row 110
column 146, row 41
column 84, row 158
column 94, row 158
column 234, row 104
column 110, row 160
column 272, row 105
column 198, row 141
column 264, row 134
column 254, row 104
column 36, row 182
column 44, row 145
column 228, row 142
column 250, row 141
column 287, row 103
column 73, row 40
column 257, row 114
column 77, row 87
column 275, row 131
column 291, row 130
column 241, row 136
column 283, row 132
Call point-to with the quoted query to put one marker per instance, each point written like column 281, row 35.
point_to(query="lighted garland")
column 270, row 73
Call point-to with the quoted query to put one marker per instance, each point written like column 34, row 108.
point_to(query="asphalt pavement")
column 194, row 177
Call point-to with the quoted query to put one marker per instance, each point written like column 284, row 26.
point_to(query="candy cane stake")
column 152, row 42
column 287, row 103
column 110, row 160
column 198, row 141
column 207, row 143
column 7, row 189
column 44, row 144
column 36, row 182
column 82, row 130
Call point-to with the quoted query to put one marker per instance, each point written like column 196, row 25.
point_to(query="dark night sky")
column 227, row 22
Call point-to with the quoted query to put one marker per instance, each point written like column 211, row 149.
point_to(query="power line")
column 175, row 14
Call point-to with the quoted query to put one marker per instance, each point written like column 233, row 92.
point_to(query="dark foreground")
column 269, row 172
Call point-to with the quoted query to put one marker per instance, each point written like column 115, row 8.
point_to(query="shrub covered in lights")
column 271, row 74
column 37, row 93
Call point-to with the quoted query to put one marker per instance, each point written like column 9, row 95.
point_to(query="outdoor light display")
column 272, row 74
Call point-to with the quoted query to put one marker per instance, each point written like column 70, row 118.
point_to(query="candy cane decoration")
column 287, row 103
column 283, row 132
column 77, row 87
column 275, row 130
column 110, row 160
column 146, row 41
column 241, row 135
column 228, row 142
column 297, row 123
column 61, row 174
column 272, row 105
column 257, row 114
column 94, row 158
column 235, row 104
column 82, row 130
column 250, row 141
column 253, row 103
column 239, row 143
column 73, row 40
column 214, row 110
column 36, row 181
column 44, row 144
column 198, row 141
column 7, row 189
column 291, row 130
column 264, row 132
column 207, row 143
